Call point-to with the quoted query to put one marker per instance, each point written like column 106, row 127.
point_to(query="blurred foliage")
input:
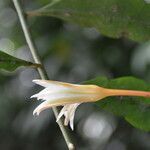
column 10, row 63
column 72, row 54
column 134, row 109
column 112, row 18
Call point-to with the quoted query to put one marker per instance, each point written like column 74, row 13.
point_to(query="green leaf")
column 136, row 110
column 113, row 18
column 10, row 63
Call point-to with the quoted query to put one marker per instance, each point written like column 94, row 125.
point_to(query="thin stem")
column 42, row 71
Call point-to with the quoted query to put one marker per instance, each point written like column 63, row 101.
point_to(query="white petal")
column 61, row 113
column 43, row 83
column 41, row 107
column 53, row 85
column 72, row 114
column 34, row 96
column 72, row 121
column 69, row 112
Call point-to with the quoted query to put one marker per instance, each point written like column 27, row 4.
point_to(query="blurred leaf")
column 10, row 63
column 113, row 18
column 136, row 110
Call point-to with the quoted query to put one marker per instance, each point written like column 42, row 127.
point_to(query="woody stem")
column 41, row 71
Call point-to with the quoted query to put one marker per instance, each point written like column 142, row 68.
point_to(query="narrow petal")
column 51, row 86
column 69, row 112
column 49, row 83
column 72, row 115
column 72, row 121
column 61, row 113
column 41, row 82
column 34, row 96
column 66, row 121
column 40, row 108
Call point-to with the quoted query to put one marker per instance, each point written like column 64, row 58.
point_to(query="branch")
column 42, row 71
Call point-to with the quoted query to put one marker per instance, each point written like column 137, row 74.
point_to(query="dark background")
column 72, row 54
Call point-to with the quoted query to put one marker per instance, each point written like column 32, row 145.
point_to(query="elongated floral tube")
column 116, row 92
column 72, row 95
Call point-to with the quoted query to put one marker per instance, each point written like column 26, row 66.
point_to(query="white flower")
column 72, row 95
column 64, row 94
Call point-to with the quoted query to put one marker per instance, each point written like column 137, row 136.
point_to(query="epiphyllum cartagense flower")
column 71, row 95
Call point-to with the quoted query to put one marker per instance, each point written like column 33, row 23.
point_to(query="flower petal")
column 72, row 121
column 69, row 112
column 50, row 85
column 41, row 107
column 61, row 113
column 72, row 115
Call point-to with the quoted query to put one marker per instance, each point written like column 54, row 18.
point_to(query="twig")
column 42, row 71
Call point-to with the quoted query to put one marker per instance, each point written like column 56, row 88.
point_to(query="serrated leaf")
column 113, row 18
column 11, row 63
column 136, row 110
